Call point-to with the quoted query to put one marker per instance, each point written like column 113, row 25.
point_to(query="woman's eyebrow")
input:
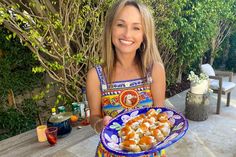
column 121, row 20
column 135, row 23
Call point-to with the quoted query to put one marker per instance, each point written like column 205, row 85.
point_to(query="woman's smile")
column 126, row 42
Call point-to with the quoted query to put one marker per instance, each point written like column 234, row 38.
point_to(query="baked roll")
column 130, row 145
column 147, row 142
column 144, row 131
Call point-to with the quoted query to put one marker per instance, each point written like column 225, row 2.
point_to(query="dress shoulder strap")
column 102, row 79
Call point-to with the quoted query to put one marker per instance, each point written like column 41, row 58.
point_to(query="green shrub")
column 231, row 63
column 16, row 66
column 226, row 57
column 16, row 63
column 18, row 120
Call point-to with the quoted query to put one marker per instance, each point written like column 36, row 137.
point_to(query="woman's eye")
column 120, row 25
column 136, row 28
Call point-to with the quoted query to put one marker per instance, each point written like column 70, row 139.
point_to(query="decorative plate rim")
column 153, row 150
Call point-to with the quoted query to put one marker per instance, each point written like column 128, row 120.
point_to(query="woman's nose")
column 127, row 32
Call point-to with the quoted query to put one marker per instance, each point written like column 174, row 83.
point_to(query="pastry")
column 144, row 131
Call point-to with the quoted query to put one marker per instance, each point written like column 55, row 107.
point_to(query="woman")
column 132, row 75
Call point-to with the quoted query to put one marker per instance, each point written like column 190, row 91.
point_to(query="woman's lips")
column 126, row 42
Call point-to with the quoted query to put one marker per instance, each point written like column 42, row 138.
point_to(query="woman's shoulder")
column 158, row 68
column 159, row 64
column 94, row 70
column 93, row 74
column 92, row 77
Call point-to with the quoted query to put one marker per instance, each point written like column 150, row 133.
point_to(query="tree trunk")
column 223, row 32
column 225, row 54
column 11, row 99
column 212, row 51
column 179, row 79
column 1, row 53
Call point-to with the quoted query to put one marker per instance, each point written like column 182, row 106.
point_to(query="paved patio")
column 213, row 137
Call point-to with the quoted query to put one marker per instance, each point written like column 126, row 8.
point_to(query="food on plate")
column 142, row 132
column 130, row 145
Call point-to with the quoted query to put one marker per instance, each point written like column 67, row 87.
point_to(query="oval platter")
column 111, row 140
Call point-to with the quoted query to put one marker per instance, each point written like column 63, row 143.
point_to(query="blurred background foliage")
column 226, row 58
column 61, row 39
column 16, row 63
column 14, row 121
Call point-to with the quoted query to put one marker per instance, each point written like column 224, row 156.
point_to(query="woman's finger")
column 106, row 120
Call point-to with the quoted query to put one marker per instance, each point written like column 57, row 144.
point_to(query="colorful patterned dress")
column 124, row 95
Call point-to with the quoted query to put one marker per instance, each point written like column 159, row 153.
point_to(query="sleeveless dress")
column 124, row 95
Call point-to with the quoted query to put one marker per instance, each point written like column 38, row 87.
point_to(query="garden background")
column 47, row 47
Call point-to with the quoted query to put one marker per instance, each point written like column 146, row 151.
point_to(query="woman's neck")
column 126, row 70
column 125, row 61
column 125, row 65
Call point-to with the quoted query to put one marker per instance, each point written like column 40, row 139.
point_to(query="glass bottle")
column 84, row 98
column 87, row 115
column 53, row 110
column 53, row 117
column 86, row 107
column 84, row 103
column 82, row 111
column 61, row 109
column 75, row 109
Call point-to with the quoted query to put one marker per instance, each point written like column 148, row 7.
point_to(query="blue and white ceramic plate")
column 111, row 140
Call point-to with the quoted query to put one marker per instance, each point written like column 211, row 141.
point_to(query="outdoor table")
column 26, row 144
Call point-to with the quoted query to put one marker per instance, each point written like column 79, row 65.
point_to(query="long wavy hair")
column 147, row 54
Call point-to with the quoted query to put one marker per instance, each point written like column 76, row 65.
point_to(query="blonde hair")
column 148, row 54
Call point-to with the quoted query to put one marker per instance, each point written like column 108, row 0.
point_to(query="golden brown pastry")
column 144, row 131
column 130, row 145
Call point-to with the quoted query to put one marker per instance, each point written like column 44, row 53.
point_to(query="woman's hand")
column 106, row 120
column 100, row 123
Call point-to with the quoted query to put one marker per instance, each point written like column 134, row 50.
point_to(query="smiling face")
column 127, row 30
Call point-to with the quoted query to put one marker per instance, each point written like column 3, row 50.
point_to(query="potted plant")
column 199, row 84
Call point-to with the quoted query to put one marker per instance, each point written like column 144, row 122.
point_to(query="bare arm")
column 93, row 93
column 158, row 87
column 94, row 97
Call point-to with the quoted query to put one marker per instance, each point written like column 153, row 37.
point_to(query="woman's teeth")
column 126, row 42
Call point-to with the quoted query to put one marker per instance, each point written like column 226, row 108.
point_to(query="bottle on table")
column 85, row 101
column 61, row 109
column 87, row 114
column 81, row 107
column 52, row 117
column 75, row 108
column 53, row 110
column 86, row 107
column 84, row 98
